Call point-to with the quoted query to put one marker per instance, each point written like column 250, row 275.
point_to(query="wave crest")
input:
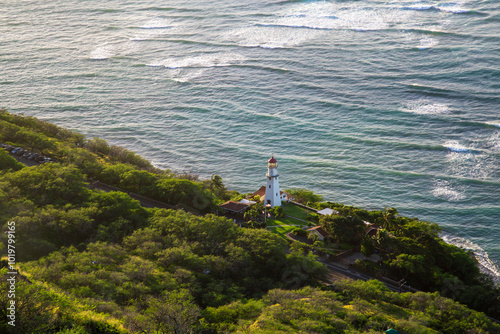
column 486, row 265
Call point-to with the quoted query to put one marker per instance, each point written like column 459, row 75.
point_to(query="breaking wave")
column 206, row 60
column 426, row 107
column 486, row 265
column 444, row 190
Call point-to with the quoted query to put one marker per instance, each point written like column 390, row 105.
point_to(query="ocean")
column 369, row 103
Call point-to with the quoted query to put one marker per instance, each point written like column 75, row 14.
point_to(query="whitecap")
column 304, row 22
column 157, row 23
column 102, row 52
column 455, row 146
column 444, row 190
column 486, row 265
column 426, row 107
column 203, row 60
column 186, row 76
column 427, row 43
column 272, row 36
column 453, row 7
column 419, row 7
column 315, row 15
column 497, row 124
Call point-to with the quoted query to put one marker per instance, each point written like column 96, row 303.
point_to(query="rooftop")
column 234, row 206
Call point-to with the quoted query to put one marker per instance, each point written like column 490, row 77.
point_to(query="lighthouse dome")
column 272, row 163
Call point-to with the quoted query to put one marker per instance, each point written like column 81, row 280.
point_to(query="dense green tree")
column 7, row 162
column 185, row 193
column 173, row 313
column 389, row 219
column 116, row 215
column 367, row 246
column 304, row 196
column 31, row 307
column 34, row 141
column 50, row 184
column 138, row 181
column 344, row 229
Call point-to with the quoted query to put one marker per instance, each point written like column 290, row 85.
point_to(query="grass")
column 284, row 225
column 281, row 230
column 296, row 211
column 284, row 221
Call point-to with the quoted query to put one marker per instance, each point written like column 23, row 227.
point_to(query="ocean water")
column 368, row 102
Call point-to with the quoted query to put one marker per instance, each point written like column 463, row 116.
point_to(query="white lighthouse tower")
column 273, row 195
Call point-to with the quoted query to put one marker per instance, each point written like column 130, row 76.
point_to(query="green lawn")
column 284, row 221
column 295, row 211
column 281, row 230
column 287, row 224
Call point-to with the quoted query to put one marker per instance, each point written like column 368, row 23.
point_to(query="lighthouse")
column 273, row 194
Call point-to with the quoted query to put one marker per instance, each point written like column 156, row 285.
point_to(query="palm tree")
column 389, row 219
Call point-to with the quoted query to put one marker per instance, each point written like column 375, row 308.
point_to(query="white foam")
column 497, row 124
column 426, row 107
column 427, row 43
column 453, row 7
column 450, row 7
column 328, row 15
column 185, row 76
column 486, row 265
column 455, row 146
column 366, row 20
column 468, row 164
column 102, row 52
column 419, row 7
column 315, row 15
column 443, row 189
column 157, row 23
column 303, row 22
column 202, row 60
column 272, row 37
column 493, row 142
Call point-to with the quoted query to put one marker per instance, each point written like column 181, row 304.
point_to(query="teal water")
column 369, row 103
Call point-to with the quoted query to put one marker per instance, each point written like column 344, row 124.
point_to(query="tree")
column 33, row 307
column 304, row 196
column 138, row 181
column 278, row 211
column 186, row 193
column 409, row 264
column 35, row 141
column 7, row 162
column 217, row 186
column 389, row 219
column 173, row 312
column 50, row 184
column 367, row 246
column 343, row 229
column 254, row 212
column 116, row 215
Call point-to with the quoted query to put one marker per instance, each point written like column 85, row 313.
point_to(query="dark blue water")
column 369, row 103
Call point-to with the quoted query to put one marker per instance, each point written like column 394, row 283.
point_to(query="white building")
column 273, row 194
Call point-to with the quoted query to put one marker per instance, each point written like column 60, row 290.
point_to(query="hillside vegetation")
column 91, row 261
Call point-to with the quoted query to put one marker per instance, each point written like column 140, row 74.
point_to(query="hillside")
column 78, row 259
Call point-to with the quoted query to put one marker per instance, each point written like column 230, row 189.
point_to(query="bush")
column 299, row 232
column 7, row 162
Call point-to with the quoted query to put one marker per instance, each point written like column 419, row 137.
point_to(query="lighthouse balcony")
column 273, row 175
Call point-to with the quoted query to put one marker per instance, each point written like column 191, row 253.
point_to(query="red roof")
column 261, row 192
column 272, row 160
column 234, row 206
